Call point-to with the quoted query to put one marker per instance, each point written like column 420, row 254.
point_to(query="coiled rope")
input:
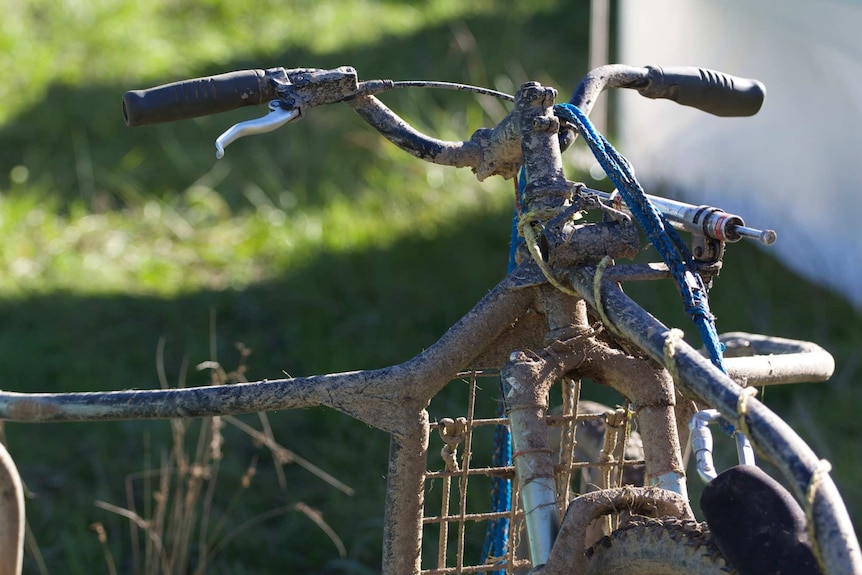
column 657, row 228
column 661, row 235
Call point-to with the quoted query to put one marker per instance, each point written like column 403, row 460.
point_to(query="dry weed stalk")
column 176, row 525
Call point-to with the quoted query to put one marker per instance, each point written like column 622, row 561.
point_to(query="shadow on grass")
column 357, row 310
column 74, row 142
column 351, row 311
column 341, row 312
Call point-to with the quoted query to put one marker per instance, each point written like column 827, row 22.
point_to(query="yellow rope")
column 742, row 409
column 673, row 337
column 525, row 227
column 823, row 467
column 452, row 432
column 606, row 262
column 540, row 215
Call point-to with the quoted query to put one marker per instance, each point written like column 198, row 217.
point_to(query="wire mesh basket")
column 595, row 449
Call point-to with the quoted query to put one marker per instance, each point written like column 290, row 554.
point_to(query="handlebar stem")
column 547, row 187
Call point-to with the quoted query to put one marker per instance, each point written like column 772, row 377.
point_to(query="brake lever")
column 278, row 116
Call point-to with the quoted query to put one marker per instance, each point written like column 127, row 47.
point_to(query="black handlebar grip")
column 714, row 92
column 197, row 97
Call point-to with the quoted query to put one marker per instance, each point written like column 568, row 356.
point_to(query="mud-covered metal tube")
column 600, row 79
column 835, row 537
column 755, row 360
column 405, row 499
column 348, row 392
column 414, row 142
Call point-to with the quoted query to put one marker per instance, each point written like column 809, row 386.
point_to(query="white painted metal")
column 796, row 166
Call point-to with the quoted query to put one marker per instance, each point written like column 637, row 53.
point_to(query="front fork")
column 528, row 377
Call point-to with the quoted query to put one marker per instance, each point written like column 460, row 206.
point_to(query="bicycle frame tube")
column 391, row 399
column 548, row 324
column 814, row 489
column 475, row 334
column 497, row 324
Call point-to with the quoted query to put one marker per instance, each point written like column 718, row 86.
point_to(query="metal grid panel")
column 454, row 516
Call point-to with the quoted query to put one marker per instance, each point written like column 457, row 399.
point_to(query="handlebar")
column 296, row 88
column 199, row 97
column 497, row 151
column 714, row 92
column 302, row 88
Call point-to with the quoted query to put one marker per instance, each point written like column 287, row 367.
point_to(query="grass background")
column 320, row 247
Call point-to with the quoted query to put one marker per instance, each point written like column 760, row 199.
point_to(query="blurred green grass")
column 320, row 247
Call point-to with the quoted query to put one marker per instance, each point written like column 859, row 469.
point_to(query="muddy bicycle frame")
column 535, row 334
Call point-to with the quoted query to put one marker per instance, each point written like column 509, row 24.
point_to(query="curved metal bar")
column 403, row 135
column 489, row 152
column 12, row 516
column 753, row 359
column 600, row 79
column 494, row 151
column 814, row 489
column 387, row 398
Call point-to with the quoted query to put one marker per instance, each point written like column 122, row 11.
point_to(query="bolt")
column 530, row 93
column 546, row 124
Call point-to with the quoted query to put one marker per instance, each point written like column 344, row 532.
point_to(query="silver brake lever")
column 276, row 118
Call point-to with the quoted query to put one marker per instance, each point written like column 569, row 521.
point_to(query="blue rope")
column 660, row 233
column 671, row 248
column 497, row 534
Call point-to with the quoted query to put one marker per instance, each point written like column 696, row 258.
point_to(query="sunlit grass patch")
column 195, row 241
column 74, row 41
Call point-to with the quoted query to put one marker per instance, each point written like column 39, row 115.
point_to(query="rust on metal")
column 32, row 410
